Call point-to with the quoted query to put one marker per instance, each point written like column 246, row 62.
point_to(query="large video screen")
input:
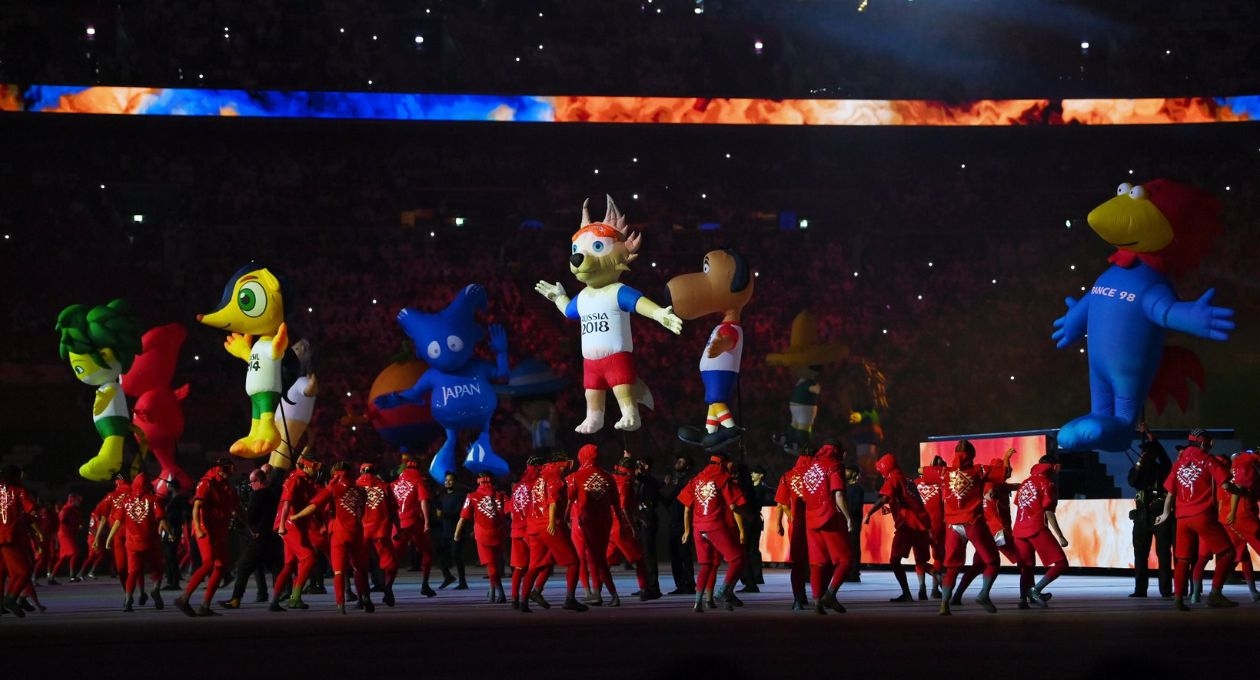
column 162, row 101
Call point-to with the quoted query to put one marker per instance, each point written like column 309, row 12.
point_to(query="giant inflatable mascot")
column 600, row 252
column 159, row 411
column 252, row 311
column 456, row 386
column 805, row 356
column 101, row 343
column 724, row 286
column 1160, row 229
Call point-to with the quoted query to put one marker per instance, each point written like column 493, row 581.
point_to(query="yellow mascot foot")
column 101, row 467
column 241, row 447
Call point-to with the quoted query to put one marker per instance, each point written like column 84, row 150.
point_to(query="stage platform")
column 1091, row 629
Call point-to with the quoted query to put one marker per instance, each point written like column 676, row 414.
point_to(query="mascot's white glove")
column 554, row 292
column 666, row 317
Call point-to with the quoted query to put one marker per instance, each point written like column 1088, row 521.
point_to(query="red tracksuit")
column 934, row 503
column 106, row 508
column 594, row 499
column 547, row 548
column 517, row 506
column 379, row 519
column 621, row 539
column 962, row 487
column 1193, row 481
column 713, row 496
column 826, row 532
column 911, row 522
column 299, row 554
column 1245, row 529
column 218, row 503
column 346, row 530
column 140, row 515
column 487, row 508
column 17, row 511
column 791, row 494
column 410, row 495
column 70, row 524
column 1037, row 496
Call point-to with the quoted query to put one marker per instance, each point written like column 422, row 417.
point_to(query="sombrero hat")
column 805, row 349
column 531, row 377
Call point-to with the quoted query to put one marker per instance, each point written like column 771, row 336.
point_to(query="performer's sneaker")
column 699, row 608
column 1023, row 604
column 261, row 598
column 11, row 605
column 1255, row 596
column 388, row 597
column 537, row 598
column 936, row 593
column 26, row 605
column 447, row 580
column 594, row 600
column 205, row 611
column 144, row 598
column 298, row 604
column 1035, row 598
column 829, row 600
column 523, row 606
column 819, row 608
column 1180, row 604
column 572, row 604
column 615, row 601
column 127, row 605
column 182, row 605
column 368, row 606
column 463, row 585
column 904, row 597
column 341, row 609
column 1218, row 600
column 500, row 598
column 275, row 606
column 157, row 598
column 945, row 608
column 230, row 604
column 516, row 604
column 923, row 595
column 75, row 579
column 649, row 594
column 426, row 591
column 1137, row 594
column 988, row 605
column 798, row 604
column 750, row 589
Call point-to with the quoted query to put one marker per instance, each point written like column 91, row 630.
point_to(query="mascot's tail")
column 1177, row 369
column 643, row 395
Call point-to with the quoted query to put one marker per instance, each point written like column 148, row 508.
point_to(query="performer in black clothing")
column 647, row 490
column 177, row 510
column 449, row 551
column 681, row 555
column 263, row 545
column 1147, row 479
column 759, row 495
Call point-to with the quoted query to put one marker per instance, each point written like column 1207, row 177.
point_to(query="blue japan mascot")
column 1160, row 229
column 457, row 386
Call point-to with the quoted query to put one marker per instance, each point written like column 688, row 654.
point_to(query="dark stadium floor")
column 1091, row 629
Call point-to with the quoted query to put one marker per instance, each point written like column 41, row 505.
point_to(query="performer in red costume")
column 963, row 485
column 827, row 522
column 790, row 499
column 348, row 548
column 214, row 503
column 70, row 523
column 575, row 534
column 487, row 508
column 412, row 496
column 94, row 554
column 299, row 553
column 1238, row 513
column 595, row 503
column 710, row 502
column 997, row 515
column 17, row 529
column 910, row 525
column 111, row 503
column 623, row 544
column 517, row 508
column 1191, row 490
column 1037, row 532
column 141, row 517
column 549, row 541
column 380, row 516
column 45, row 546
column 934, row 504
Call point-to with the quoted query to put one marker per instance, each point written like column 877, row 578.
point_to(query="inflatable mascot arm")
column 1160, row 229
column 252, row 311
column 724, row 286
column 600, row 252
column 101, row 343
column 457, row 386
